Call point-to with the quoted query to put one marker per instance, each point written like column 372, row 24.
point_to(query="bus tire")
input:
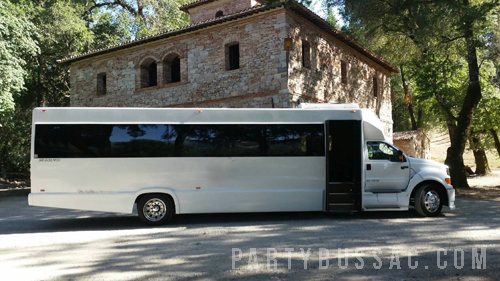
column 155, row 209
column 428, row 201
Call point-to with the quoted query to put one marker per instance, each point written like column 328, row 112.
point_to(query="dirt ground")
column 483, row 187
column 13, row 184
column 56, row 244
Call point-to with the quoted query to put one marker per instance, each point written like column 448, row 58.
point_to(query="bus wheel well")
column 441, row 189
column 159, row 193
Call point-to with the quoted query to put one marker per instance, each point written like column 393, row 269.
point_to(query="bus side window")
column 380, row 151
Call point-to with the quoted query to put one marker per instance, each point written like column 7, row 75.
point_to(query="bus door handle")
column 404, row 167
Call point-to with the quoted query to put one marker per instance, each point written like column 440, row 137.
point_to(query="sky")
column 316, row 6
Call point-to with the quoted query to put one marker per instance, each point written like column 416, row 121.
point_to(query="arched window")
column 306, row 54
column 232, row 56
column 171, row 69
column 101, row 84
column 149, row 73
column 219, row 14
column 375, row 86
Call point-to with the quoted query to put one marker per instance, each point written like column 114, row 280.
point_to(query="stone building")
column 236, row 53
column 413, row 143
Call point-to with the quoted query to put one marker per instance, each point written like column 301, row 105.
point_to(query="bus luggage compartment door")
column 343, row 165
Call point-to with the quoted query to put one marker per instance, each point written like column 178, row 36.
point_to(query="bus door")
column 343, row 164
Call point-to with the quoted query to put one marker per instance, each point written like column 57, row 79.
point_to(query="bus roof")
column 122, row 115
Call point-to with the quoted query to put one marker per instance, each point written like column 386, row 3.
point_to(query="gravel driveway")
column 54, row 244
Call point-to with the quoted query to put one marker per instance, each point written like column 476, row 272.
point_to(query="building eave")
column 323, row 24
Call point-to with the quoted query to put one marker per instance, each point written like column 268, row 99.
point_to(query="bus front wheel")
column 428, row 201
column 155, row 209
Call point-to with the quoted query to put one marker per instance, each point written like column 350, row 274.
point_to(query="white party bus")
column 318, row 157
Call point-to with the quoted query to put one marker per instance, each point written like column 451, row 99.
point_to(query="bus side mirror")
column 400, row 156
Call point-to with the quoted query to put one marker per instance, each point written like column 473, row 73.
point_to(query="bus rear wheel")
column 155, row 209
column 428, row 201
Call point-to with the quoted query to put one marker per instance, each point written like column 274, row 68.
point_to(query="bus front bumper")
column 451, row 198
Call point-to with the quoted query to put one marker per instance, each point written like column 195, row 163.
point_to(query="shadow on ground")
column 62, row 244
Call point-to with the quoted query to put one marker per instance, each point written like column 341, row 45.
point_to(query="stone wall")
column 207, row 11
column 204, row 79
column 321, row 82
column 413, row 143
column 267, row 76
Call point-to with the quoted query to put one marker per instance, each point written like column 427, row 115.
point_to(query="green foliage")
column 427, row 39
column 122, row 20
column 487, row 115
column 17, row 35
column 15, row 143
column 110, row 30
column 330, row 18
column 36, row 33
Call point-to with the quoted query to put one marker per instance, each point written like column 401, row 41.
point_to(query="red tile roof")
column 185, row 7
column 196, row 3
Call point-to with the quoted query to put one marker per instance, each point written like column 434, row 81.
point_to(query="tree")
column 141, row 17
column 330, row 18
column 401, row 51
column 486, row 119
column 16, row 42
column 429, row 25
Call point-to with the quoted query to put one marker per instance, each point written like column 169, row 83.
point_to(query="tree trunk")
column 419, row 116
column 3, row 172
column 472, row 97
column 452, row 125
column 40, row 95
column 414, row 125
column 495, row 138
column 3, row 164
column 482, row 167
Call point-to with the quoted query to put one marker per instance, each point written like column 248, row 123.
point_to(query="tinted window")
column 87, row 140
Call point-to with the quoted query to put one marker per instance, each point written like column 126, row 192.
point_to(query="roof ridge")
column 196, row 3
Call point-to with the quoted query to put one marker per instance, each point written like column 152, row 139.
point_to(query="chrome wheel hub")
column 432, row 201
column 154, row 210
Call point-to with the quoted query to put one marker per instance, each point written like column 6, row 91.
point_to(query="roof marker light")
column 352, row 111
column 199, row 110
column 43, row 110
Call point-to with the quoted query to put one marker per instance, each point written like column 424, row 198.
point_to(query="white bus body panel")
column 227, row 184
